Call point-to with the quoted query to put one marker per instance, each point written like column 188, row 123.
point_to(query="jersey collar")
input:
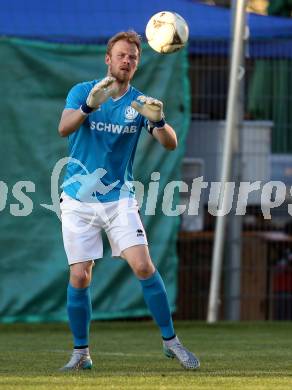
column 120, row 97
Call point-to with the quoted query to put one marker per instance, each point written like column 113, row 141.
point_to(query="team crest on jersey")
column 130, row 113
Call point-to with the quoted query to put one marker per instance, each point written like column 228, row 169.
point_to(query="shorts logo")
column 130, row 113
column 140, row 233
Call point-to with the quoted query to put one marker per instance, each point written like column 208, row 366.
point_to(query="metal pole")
column 232, row 261
column 233, row 90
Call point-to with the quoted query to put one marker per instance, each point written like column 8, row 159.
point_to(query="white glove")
column 101, row 92
column 149, row 107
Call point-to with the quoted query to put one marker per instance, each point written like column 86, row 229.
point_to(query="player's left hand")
column 149, row 107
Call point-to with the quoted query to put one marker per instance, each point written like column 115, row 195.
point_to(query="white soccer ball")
column 167, row 32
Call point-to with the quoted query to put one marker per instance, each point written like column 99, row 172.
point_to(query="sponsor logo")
column 130, row 113
column 112, row 128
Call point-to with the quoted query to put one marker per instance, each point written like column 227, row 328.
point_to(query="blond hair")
column 129, row 36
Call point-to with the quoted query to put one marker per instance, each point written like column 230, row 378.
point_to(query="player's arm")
column 72, row 119
column 166, row 136
column 152, row 109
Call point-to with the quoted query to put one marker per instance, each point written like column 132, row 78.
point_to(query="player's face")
column 123, row 61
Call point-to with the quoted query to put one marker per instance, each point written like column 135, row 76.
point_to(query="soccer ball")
column 167, row 32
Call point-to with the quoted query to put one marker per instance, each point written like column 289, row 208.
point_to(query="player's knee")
column 144, row 270
column 80, row 278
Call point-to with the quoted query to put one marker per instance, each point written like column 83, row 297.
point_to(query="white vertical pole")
column 231, row 116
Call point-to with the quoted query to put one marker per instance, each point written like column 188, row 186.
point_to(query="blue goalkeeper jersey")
column 102, row 150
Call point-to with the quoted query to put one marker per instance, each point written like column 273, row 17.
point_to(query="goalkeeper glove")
column 99, row 94
column 151, row 108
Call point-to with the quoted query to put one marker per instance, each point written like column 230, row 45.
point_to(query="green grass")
column 127, row 355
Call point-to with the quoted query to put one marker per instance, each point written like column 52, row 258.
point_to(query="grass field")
column 127, row 355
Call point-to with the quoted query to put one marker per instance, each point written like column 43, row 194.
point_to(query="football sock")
column 157, row 302
column 79, row 313
column 169, row 338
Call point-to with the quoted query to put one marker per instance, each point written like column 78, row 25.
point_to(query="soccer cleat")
column 78, row 361
column 174, row 349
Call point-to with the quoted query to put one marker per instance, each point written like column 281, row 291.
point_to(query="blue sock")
column 79, row 313
column 156, row 299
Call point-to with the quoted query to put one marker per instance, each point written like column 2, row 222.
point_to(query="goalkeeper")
column 103, row 120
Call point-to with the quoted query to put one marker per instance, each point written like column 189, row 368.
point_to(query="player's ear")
column 107, row 59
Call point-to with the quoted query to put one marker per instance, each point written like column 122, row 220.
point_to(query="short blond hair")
column 129, row 36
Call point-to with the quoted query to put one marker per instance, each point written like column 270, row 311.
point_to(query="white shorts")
column 82, row 224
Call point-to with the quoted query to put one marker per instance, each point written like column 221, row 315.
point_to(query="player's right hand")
column 101, row 92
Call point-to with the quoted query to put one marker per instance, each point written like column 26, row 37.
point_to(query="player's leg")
column 156, row 299
column 152, row 287
column 128, row 239
column 79, row 314
column 82, row 242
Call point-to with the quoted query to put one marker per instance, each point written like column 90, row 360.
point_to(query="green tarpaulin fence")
column 35, row 78
column 269, row 99
column 270, row 89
